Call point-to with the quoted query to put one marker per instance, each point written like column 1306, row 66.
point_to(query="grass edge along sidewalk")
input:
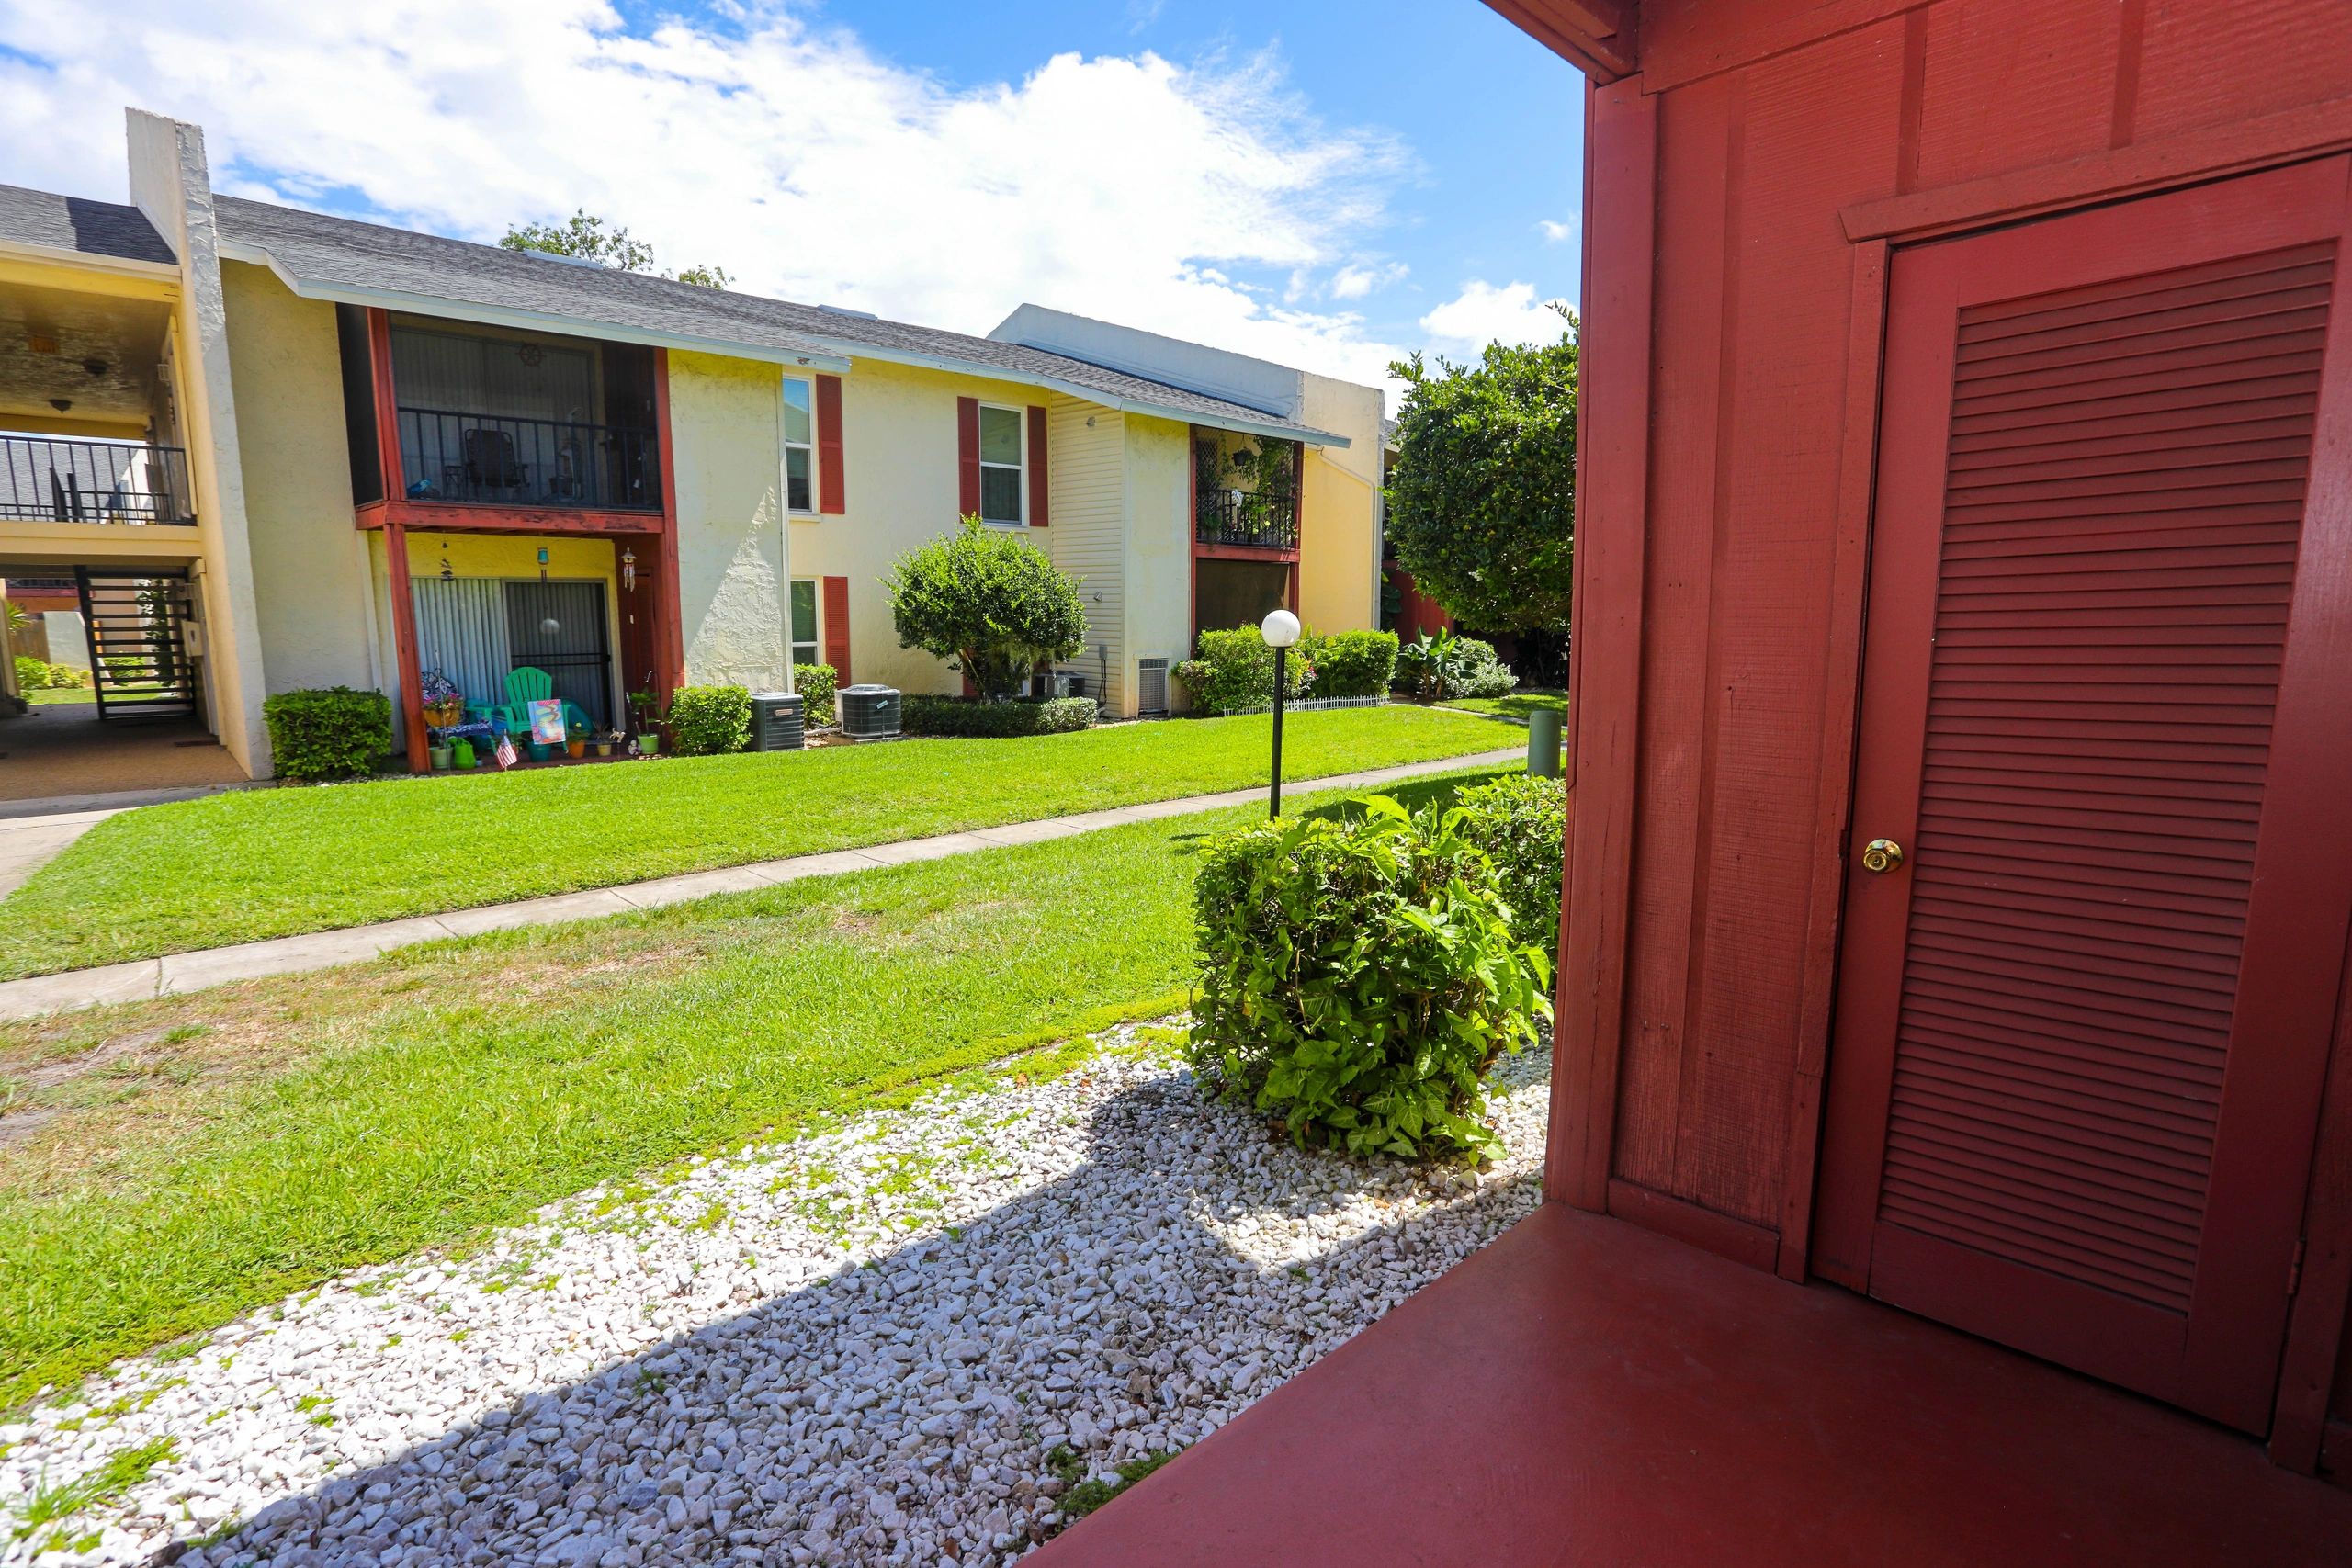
column 276, row 1133
column 250, row 865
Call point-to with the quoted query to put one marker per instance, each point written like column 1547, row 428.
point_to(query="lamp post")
column 1280, row 629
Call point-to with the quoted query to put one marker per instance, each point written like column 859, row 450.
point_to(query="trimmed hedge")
column 39, row 675
column 816, row 683
column 963, row 716
column 329, row 733
column 1356, row 977
column 705, row 721
column 1351, row 664
column 1521, row 822
column 1478, row 674
column 1235, row 672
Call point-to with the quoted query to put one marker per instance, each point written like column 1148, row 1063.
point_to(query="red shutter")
column 1037, row 488
column 837, row 627
column 968, row 457
column 832, row 476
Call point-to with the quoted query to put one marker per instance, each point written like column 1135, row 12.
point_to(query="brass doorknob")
column 1881, row 854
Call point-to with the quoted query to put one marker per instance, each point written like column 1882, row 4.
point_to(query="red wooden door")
column 2106, row 715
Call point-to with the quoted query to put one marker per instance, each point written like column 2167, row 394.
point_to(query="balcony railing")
column 45, row 479
column 479, row 457
column 1266, row 520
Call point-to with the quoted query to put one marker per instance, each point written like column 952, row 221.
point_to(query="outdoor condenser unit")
column 777, row 722
column 867, row 712
column 1151, row 685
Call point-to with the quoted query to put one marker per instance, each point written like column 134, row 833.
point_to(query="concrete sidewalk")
column 195, row 971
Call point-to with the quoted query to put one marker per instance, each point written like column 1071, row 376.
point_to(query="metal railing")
column 1260, row 519
column 48, row 478
column 450, row 455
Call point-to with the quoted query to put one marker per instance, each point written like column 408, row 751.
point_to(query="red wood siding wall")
column 1720, row 554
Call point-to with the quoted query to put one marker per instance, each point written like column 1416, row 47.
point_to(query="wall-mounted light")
column 628, row 569
column 543, row 563
column 60, row 404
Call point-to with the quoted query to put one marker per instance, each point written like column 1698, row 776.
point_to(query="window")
column 805, row 645
column 800, row 455
column 1003, row 466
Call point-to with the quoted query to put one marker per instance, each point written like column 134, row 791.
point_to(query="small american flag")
column 506, row 752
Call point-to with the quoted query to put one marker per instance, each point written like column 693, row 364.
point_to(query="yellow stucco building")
column 386, row 453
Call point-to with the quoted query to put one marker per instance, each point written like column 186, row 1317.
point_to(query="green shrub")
column 1356, row 978
column 816, row 683
column 1479, row 673
column 330, row 733
column 1352, row 664
column 37, row 675
column 708, row 720
column 989, row 600
column 1235, row 672
column 1519, row 821
column 959, row 716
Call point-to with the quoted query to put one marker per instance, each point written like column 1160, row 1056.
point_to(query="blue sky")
column 1325, row 184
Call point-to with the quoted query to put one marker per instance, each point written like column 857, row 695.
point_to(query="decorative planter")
column 462, row 754
column 541, row 751
column 576, row 748
column 650, row 744
column 440, row 755
column 604, row 747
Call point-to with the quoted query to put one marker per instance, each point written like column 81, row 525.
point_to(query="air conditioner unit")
column 776, row 722
column 867, row 712
column 1151, row 685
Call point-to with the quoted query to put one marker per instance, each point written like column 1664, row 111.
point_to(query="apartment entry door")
column 2101, row 866
column 560, row 628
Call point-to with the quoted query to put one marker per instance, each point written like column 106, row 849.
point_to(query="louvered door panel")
column 2094, row 703
column 2060, row 1050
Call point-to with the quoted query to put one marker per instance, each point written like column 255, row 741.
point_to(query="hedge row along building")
column 271, row 450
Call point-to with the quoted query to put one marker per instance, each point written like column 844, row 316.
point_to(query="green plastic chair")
column 525, row 685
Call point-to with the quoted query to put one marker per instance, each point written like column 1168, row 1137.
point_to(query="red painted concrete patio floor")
column 1583, row 1391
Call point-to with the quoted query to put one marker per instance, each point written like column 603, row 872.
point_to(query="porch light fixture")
column 543, row 564
column 628, row 569
column 447, row 575
column 1280, row 629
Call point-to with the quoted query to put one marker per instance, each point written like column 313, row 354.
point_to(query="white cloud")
column 1483, row 314
column 1130, row 188
column 1357, row 279
column 1559, row 232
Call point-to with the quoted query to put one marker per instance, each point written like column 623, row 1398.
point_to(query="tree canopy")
column 991, row 601
column 1483, row 495
column 584, row 235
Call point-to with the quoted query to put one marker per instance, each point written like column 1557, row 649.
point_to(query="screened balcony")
column 452, row 455
column 1245, row 491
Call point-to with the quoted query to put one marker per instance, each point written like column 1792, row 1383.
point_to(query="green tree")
column 991, row 602
column 584, row 235
column 1482, row 496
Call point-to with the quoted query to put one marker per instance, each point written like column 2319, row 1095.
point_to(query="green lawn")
column 220, row 1150
column 49, row 696
column 256, row 863
column 1512, row 704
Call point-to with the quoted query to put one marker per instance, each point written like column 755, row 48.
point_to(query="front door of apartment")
column 2102, row 856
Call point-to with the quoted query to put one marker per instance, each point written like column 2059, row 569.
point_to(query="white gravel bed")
column 858, row 1347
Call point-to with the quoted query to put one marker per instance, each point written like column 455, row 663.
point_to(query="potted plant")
column 647, row 707
column 604, row 742
column 438, row 696
column 440, row 754
column 576, row 742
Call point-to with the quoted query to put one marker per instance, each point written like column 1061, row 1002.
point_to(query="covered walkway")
column 1585, row 1391
column 61, row 749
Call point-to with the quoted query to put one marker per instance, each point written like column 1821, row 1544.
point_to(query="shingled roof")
column 73, row 223
column 338, row 258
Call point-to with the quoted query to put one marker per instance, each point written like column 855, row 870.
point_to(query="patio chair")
column 490, row 460
column 526, row 684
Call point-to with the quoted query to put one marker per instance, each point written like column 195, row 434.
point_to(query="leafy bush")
column 816, row 683
column 958, row 715
column 39, row 675
column 1520, row 821
column 991, row 602
column 1235, row 672
column 329, row 733
column 1438, row 665
column 1357, row 979
column 1352, row 664
column 1479, row 673
column 708, row 720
